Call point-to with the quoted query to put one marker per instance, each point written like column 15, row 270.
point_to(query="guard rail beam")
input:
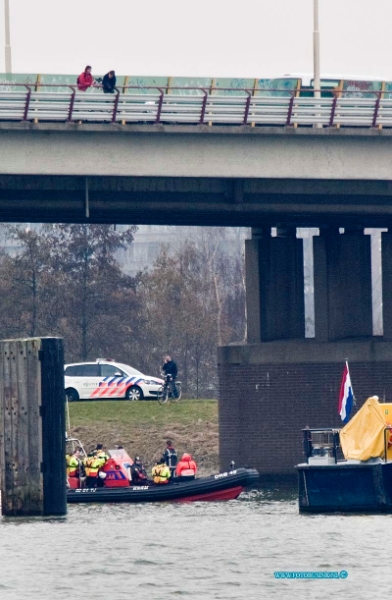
column 195, row 105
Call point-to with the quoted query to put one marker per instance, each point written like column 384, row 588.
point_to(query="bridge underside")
column 279, row 381
column 195, row 201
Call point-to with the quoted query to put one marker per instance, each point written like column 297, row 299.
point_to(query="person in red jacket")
column 186, row 467
column 85, row 79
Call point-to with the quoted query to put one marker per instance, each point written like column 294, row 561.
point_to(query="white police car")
column 105, row 378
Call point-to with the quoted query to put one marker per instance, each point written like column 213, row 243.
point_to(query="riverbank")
column 143, row 428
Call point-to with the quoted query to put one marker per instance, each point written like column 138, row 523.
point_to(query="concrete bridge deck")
column 179, row 174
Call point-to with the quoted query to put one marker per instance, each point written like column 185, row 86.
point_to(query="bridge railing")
column 196, row 105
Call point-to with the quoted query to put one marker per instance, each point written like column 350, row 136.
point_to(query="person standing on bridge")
column 109, row 82
column 85, row 79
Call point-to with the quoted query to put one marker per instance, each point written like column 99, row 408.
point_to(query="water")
column 226, row 550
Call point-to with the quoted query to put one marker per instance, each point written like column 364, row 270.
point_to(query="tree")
column 188, row 299
column 98, row 297
column 65, row 280
column 28, row 280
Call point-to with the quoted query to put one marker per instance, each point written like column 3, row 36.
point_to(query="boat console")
column 321, row 446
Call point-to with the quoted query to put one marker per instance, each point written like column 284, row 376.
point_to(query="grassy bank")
column 143, row 427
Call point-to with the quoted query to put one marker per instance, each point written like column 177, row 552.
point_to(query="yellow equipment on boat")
column 363, row 437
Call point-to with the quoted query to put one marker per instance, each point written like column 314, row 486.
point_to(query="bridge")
column 235, row 173
column 182, row 174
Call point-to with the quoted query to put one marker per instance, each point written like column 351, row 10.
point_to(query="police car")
column 106, row 378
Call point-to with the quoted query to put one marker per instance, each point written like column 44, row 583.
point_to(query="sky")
column 211, row 38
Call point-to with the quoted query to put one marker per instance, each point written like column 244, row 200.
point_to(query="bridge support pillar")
column 386, row 266
column 274, row 286
column 32, row 427
column 342, row 285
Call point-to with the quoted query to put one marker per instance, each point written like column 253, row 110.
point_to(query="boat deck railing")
column 321, row 445
column 387, row 441
column 194, row 106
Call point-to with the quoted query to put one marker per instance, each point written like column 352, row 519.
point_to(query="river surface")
column 202, row 550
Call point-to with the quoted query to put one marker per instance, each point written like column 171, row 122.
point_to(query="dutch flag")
column 346, row 396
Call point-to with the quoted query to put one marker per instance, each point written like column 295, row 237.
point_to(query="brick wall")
column 262, row 408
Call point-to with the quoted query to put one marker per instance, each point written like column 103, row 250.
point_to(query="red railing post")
column 247, row 107
column 333, row 110
column 115, row 107
column 26, row 108
column 71, row 103
column 160, row 103
column 376, row 109
column 290, row 110
column 203, row 107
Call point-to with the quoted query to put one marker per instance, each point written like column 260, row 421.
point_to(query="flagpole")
column 316, row 50
column 348, row 371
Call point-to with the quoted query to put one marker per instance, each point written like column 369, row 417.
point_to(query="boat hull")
column 223, row 486
column 345, row 487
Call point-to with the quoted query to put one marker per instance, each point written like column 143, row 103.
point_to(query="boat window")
column 121, row 455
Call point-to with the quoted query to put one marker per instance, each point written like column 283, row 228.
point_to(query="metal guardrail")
column 195, row 106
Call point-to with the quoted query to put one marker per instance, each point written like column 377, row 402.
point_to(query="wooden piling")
column 32, row 427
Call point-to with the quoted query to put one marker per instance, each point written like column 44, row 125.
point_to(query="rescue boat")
column 115, row 485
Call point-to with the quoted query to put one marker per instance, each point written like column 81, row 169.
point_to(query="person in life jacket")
column 161, row 473
column 186, row 467
column 92, row 464
column 169, row 457
column 74, row 463
column 100, row 452
column 138, row 472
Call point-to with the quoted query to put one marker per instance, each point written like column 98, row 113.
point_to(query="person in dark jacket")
column 138, row 472
column 169, row 457
column 109, row 83
column 170, row 370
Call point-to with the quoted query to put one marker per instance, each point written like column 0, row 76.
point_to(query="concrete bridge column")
column 386, row 267
column 275, row 286
column 342, row 285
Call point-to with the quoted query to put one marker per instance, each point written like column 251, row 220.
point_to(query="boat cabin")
column 321, row 446
column 349, row 469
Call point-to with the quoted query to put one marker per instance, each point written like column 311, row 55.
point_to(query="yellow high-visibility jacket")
column 161, row 473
